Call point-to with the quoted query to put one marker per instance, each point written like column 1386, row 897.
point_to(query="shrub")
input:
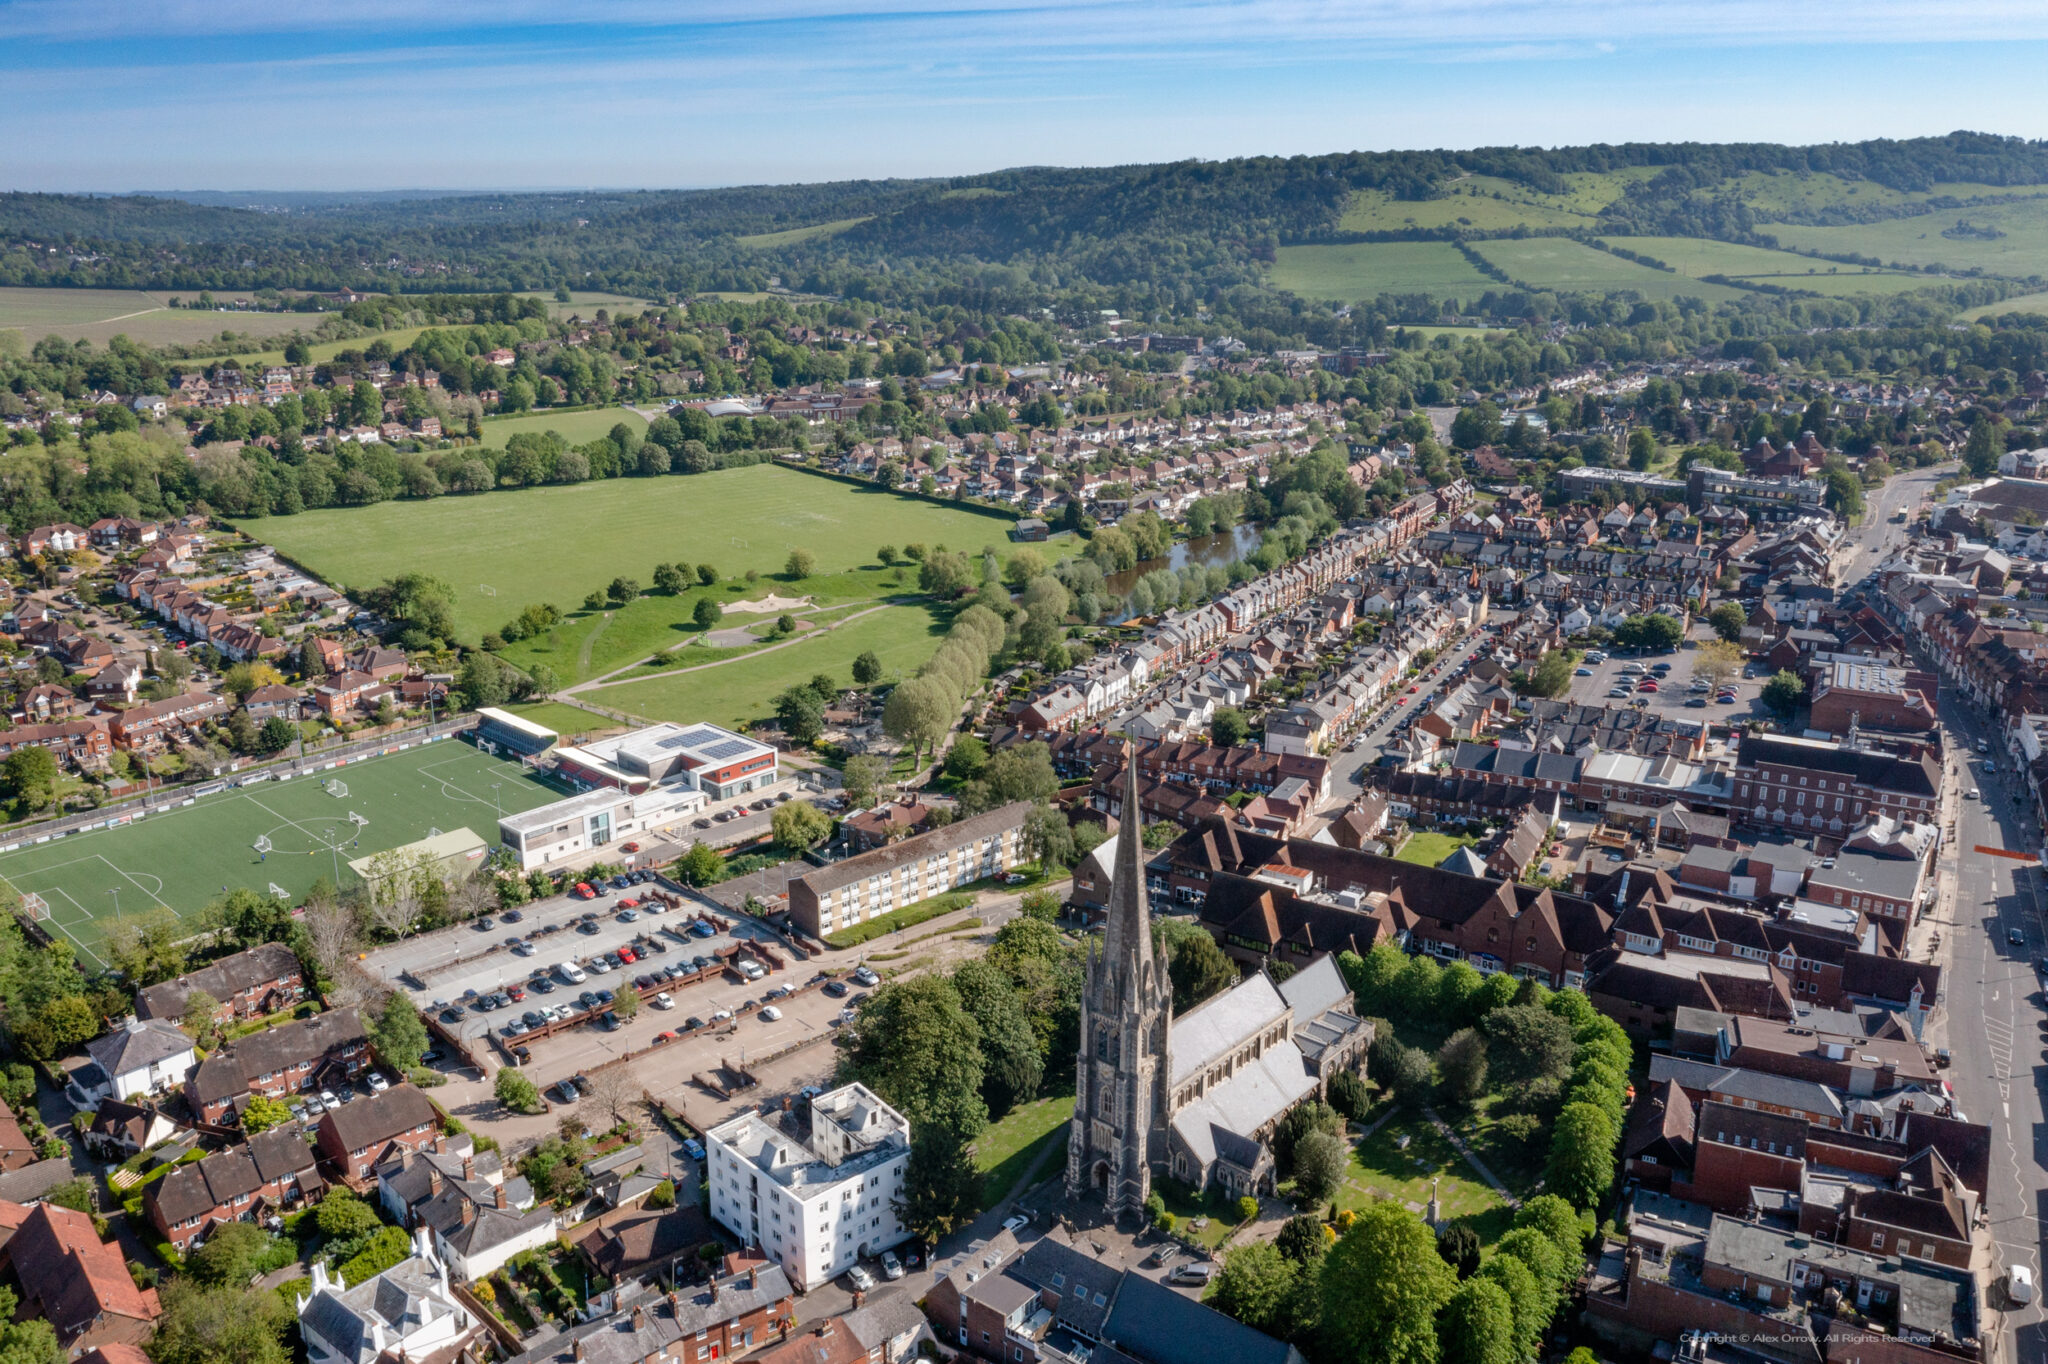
column 1247, row 1208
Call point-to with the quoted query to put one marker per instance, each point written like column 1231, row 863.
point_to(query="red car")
column 628, row 955
column 629, row 847
column 583, row 891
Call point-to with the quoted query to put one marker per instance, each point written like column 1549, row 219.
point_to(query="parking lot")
column 1673, row 688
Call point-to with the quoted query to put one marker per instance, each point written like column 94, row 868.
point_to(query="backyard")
column 1428, row 848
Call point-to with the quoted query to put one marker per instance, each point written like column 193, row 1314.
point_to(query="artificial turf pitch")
column 184, row 854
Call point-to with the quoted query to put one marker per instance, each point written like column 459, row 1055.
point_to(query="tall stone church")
column 1197, row 1096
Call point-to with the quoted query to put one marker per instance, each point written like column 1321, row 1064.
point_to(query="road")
column 1878, row 537
column 1348, row 764
column 1995, row 1021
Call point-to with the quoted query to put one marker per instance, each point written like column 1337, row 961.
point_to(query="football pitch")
column 187, row 854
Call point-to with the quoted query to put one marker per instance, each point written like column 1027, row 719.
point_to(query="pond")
column 1209, row 550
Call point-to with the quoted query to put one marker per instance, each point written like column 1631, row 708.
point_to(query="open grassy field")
column 574, row 427
column 586, row 302
column 2020, row 253
column 1381, row 1167
column 182, row 857
column 572, row 723
column 1561, row 264
column 593, row 643
column 97, row 315
column 791, row 236
column 1360, row 270
column 743, row 690
column 1782, row 194
column 1007, row 1146
column 1698, row 256
column 2023, row 303
column 558, row 544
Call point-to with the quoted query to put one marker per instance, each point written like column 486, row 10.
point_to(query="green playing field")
column 186, row 855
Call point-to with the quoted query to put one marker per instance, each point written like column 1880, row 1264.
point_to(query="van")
column 571, row 973
column 2019, row 1285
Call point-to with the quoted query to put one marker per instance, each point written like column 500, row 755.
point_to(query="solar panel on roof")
column 728, row 748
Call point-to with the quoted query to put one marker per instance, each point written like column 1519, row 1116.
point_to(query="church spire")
column 1127, row 941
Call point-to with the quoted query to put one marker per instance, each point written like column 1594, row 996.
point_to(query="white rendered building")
column 407, row 1311
column 815, row 1200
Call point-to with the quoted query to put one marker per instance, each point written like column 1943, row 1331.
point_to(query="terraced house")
column 271, row 1172
column 278, row 1062
column 249, row 984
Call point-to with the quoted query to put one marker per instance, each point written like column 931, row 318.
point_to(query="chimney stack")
column 639, row 1318
column 433, row 1180
column 469, row 1167
column 468, row 1212
column 498, row 1193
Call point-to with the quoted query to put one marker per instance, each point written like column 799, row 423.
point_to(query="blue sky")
column 375, row 94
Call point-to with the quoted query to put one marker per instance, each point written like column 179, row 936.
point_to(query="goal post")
column 262, row 843
column 487, row 589
column 278, row 892
column 337, row 787
column 358, row 820
column 35, row 906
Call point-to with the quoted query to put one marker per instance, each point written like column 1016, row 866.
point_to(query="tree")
column 862, row 777
column 1461, row 1066
column 1527, row 1042
column 702, row 865
column 1642, row 449
column 1040, row 904
column 706, row 613
column 276, row 735
column 967, row 758
column 1320, row 1159
column 707, row 576
column 333, row 936
column 1717, row 661
column 515, row 1091
column 264, row 1113
column 1527, row 1298
column 915, row 1045
column 671, row 579
column 1255, row 1284
column 1478, row 1325
column 1406, row 1071
column 343, row 1215
column 232, row 1255
column 149, row 947
column 202, row 1325
column 941, row 1186
column 1383, row 1284
column 1728, row 619
column 1197, row 967
column 800, row 564
column 626, row 1003
column 1845, row 491
column 31, row 776
column 615, row 1092
column 918, row 712
column 1019, row 772
column 801, row 714
column 1012, row 1067
column 1295, row 1125
column 1228, row 727
column 1652, row 631
column 399, row 1034
column 1784, row 694
column 1582, row 1155
column 1551, row 676
column 1047, row 838
column 867, row 669
column 1559, row 1222
column 799, row 825
column 1459, row 1246
column 1301, row 1239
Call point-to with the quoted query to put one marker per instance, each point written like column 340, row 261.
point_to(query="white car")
column 770, row 1013
column 721, row 1015
column 664, row 1000
column 599, row 966
column 378, row 1084
column 860, row 1278
column 892, row 1268
column 2019, row 1284
column 571, row 973
column 1015, row 1224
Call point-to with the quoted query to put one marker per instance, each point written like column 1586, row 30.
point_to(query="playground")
column 274, row 837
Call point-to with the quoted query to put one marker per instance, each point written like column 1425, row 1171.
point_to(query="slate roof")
column 137, row 1046
column 379, row 1118
column 1077, row 1278
column 664, row 1320
column 229, row 1071
column 222, row 979
column 1153, row 1323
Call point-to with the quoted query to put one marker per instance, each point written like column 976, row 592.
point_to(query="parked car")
column 1196, row 1275
column 378, row 1084
column 511, row 916
column 627, row 956
column 486, row 924
column 627, row 915
column 693, row 1148
column 892, row 1268
column 863, row 976
column 664, row 1000
column 836, row 989
column 771, row 1014
column 860, row 1280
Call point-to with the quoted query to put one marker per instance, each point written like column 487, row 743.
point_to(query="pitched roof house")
column 77, row 1282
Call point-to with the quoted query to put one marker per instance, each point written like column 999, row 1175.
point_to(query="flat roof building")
column 818, row 1198
column 705, row 757
column 585, row 822
column 856, row 889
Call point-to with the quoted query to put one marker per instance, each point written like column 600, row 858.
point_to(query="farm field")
column 574, row 427
column 1785, row 194
column 744, row 690
column 398, row 339
column 1698, row 256
column 791, row 236
column 182, row 857
column 1562, row 264
column 2022, row 252
column 557, row 544
column 1360, row 270
column 98, row 315
column 584, row 302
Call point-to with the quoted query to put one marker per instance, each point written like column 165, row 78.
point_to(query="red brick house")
column 274, row 1170
column 76, row 1282
column 292, row 1057
column 355, row 1138
column 250, row 984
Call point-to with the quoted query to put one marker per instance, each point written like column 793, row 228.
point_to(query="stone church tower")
column 1121, row 1096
